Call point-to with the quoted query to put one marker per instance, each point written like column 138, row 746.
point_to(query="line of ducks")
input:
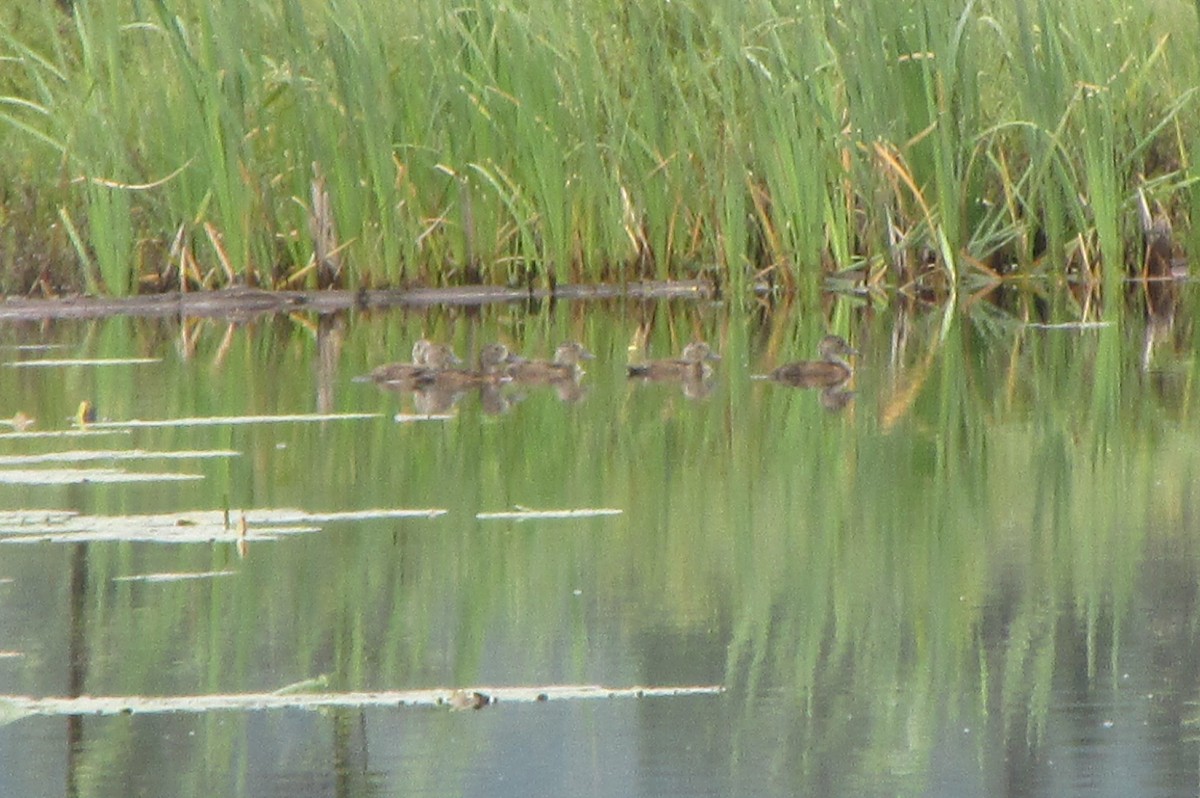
column 434, row 366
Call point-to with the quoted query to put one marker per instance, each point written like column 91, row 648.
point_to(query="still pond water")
column 978, row 577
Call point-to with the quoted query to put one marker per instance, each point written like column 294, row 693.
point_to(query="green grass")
column 150, row 142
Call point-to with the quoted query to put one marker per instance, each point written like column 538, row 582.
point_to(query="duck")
column 494, row 362
column 426, row 356
column 831, row 370
column 437, row 356
column 564, row 366
column 691, row 365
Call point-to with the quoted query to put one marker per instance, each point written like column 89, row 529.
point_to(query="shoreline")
column 248, row 302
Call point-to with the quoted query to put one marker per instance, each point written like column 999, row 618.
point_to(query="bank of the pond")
column 207, row 143
column 238, row 302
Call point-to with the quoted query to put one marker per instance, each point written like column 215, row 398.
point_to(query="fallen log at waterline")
column 250, row 302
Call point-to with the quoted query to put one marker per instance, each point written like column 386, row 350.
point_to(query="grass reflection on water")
column 969, row 543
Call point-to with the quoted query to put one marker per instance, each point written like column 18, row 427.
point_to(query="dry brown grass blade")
column 778, row 258
column 894, row 162
column 214, row 238
column 1159, row 254
column 323, row 232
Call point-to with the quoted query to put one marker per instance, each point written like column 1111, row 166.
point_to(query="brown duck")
column 565, row 366
column 494, row 361
column 426, row 356
column 691, row 365
column 832, row 369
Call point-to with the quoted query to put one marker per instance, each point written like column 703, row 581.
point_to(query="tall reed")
column 528, row 142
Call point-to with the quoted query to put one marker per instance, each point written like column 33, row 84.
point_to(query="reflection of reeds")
column 858, row 592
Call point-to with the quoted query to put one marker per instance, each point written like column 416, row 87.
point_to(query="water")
column 978, row 577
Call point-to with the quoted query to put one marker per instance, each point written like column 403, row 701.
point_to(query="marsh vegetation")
column 917, row 145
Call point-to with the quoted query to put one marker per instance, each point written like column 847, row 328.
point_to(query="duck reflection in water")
column 691, row 370
column 495, row 401
column 836, row 397
column 429, row 400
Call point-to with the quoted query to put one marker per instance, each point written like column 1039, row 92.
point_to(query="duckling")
column 438, row 356
column 832, row 369
column 691, row 365
column 565, row 366
column 426, row 356
column 494, row 361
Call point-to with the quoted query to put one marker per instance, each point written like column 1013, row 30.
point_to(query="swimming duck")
column 565, row 366
column 832, row 369
column 426, row 356
column 494, row 360
column 437, row 356
column 691, row 365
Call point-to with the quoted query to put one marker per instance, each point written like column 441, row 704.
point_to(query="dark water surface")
column 979, row 577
